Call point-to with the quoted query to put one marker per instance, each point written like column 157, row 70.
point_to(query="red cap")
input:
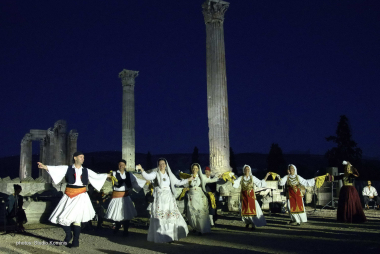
column 207, row 168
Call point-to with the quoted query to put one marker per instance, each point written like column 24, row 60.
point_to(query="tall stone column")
column 45, row 157
column 72, row 146
column 60, row 149
column 217, row 100
column 42, row 141
column 26, row 157
column 128, row 125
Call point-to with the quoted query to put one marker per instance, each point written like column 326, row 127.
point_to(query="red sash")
column 119, row 194
column 73, row 192
column 295, row 200
column 248, row 204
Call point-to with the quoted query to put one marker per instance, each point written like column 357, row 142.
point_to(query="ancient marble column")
column 41, row 156
column 72, row 146
column 45, row 157
column 217, row 100
column 26, row 157
column 128, row 118
column 60, row 149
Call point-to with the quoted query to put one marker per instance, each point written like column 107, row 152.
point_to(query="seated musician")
column 369, row 192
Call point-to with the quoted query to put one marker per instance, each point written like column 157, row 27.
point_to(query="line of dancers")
column 166, row 222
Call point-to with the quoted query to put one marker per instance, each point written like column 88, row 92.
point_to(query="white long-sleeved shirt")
column 57, row 173
column 370, row 192
column 137, row 184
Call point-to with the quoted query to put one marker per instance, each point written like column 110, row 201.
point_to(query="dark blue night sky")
column 293, row 67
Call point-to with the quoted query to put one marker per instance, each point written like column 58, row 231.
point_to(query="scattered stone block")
column 28, row 179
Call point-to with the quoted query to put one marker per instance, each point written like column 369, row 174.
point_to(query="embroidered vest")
column 127, row 180
column 70, row 175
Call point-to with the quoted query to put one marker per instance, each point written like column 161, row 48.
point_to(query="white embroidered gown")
column 166, row 222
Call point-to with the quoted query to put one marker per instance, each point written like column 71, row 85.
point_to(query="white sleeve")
column 237, row 182
column 96, row 180
column 149, row 176
column 180, row 182
column 306, row 183
column 259, row 183
column 283, row 180
column 374, row 191
column 137, row 183
column 57, row 173
column 364, row 192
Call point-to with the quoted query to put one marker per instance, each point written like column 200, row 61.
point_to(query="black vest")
column 70, row 175
column 127, row 180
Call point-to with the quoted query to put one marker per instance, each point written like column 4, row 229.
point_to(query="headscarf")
column 200, row 174
column 295, row 171
column 169, row 172
column 250, row 170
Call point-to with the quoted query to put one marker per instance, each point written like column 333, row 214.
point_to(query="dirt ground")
column 321, row 234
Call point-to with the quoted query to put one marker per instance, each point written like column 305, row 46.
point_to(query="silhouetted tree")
column 233, row 161
column 275, row 161
column 346, row 148
column 149, row 161
column 195, row 156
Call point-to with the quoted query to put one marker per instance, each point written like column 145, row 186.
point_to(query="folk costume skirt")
column 120, row 209
column 251, row 212
column 349, row 206
column 69, row 210
column 166, row 222
column 198, row 211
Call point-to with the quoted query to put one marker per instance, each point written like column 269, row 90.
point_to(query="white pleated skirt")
column 166, row 222
column 121, row 209
column 258, row 220
column 69, row 210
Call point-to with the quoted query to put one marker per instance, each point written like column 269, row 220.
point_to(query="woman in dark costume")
column 349, row 207
column 15, row 213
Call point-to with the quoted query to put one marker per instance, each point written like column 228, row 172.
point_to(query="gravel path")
column 322, row 234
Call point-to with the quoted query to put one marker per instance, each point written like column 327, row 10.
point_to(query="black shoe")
column 246, row 225
column 199, row 233
column 117, row 227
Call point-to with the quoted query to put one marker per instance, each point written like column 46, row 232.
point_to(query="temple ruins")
column 56, row 148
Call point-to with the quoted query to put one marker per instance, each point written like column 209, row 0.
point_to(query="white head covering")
column 250, row 169
column 295, row 170
column 170, row 174
column 201, row 176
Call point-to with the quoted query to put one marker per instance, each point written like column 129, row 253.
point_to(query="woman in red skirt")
column 349, row 206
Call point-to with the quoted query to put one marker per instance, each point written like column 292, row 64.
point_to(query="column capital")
column 128, row 77
column 26, row 139
column 50, row 132
column 214, row 10
column 73, row 135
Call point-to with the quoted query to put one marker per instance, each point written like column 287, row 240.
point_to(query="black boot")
column 76, row 237
column 69, row 235
column 117, row 227
column 126, row 227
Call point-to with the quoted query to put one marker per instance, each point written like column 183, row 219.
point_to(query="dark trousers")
column 375, row 198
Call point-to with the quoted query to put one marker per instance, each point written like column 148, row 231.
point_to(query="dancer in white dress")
column 251, row 212
column 166, row 222
column 197, row 205
column 75, row 206
column 293, row 184
column 121, row 209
